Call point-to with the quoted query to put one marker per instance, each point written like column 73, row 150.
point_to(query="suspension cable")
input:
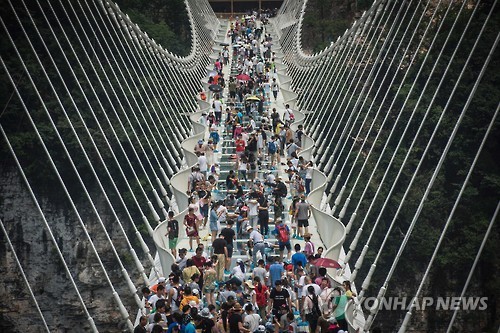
column 21, row 270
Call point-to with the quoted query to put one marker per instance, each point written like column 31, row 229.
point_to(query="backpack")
column 283, row 234
column 271, row 146
column 281, row 190
column 261, row 298
column 178, row 299
column 315, row 311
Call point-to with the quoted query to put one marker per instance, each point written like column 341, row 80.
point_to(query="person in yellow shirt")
column 188, row 297
column 189, row 270
column 348, row 292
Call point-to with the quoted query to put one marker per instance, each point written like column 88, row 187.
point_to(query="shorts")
column 229, row 250
column 214, row 226
column 276, row 312
column 204, row 210
column 172, row 243
column 283, row 245
column 208, row 290
column 303, row 223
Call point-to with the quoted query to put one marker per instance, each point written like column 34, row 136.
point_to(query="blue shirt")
column 275, row 272
column 171, row 327
column 189, row 328
column 299, row 257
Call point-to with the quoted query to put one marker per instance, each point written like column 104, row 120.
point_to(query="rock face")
column 45, row 271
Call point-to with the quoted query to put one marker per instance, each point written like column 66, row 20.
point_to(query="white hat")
column 239, row 260
column 161, row 279
column 196, row 291
column 249, row 227
column 205, row 312
column 261, row 328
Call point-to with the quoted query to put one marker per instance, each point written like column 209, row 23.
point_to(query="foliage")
column 164, row 21
column 475, row 209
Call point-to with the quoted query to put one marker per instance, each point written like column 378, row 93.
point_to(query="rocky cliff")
column 45, row 271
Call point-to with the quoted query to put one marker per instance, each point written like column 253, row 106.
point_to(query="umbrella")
column 215, row 88
column 224, row 44
column 253, row 98
column 243, row 77
column 327, row 263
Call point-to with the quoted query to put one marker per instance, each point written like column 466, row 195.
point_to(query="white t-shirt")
column 270, row 178
column 253, row 123
column 317, row 289
column 222, row 213
column 301, row 285
column 256, row 236
column 253, row 208
column 243, row 166
column 237, row 272
column 217, row 106
column 274, row 86
column 202, row 162
column 309, row 172
column 153, row 299
column 253, row 321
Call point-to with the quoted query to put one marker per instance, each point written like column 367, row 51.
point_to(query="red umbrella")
column 327, row 263
column 243, row 77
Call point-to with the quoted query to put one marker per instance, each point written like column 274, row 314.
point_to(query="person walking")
column 282, row 232
column 172, row 233
column 302, row 214
column 191, row 228
column 220, row 250
column 275, row 88
column 257, row 243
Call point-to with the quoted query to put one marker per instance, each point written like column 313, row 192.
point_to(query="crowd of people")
column 262, row 289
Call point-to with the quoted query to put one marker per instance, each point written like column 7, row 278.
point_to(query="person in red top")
column 191, row 228
column 203, row 96
column 199, row 261
column 240, row 149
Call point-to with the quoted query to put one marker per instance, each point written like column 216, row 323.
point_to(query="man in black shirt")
column 172, row 233
column 204, row 324
column 141, row 328
column 280, row 191
column 236, row 321
column 220, row 249
column 279, row 297
column 229, row 236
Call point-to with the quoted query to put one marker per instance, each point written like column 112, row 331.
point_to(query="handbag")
column 190, row 230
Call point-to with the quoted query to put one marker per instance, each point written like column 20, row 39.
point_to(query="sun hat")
column 249, row 284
